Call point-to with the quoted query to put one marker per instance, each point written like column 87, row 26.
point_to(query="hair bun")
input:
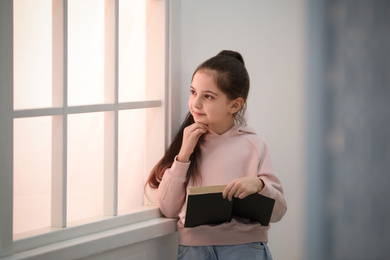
column 233, row 54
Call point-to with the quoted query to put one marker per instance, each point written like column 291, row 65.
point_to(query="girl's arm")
column 265, row 183
column 272, row 186
column 172, row 189
column 273, row 189
column 171, row 193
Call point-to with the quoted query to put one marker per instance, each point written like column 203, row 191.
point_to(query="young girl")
column 214, row 147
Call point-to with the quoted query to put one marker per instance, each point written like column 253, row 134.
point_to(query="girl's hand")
column 242, row 187
column 191, row 136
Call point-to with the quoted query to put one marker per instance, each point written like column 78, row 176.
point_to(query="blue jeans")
column 256, row 250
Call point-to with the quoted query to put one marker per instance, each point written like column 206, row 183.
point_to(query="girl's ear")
column 237, row 105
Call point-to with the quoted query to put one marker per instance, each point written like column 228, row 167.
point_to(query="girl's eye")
column 209, row 97
column 192, row 92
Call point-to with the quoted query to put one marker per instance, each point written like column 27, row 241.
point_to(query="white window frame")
column 147, row 220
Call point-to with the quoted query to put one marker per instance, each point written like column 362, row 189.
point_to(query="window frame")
column 56, row 233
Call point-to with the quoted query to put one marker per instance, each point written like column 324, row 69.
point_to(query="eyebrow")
column 207, row 91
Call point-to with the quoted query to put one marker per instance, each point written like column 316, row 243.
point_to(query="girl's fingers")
column 242, row 187
column 199, row 132
column 230, row 191
column 195, row 130
column 191, row 137
column 197, row 126
column 226, row 191
column 242, row 195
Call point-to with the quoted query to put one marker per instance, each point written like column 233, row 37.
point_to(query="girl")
column 214, row 147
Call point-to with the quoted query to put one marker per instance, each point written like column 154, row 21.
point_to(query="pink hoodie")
column 239, row 152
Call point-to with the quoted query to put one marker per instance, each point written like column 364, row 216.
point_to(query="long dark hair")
column 231, row 77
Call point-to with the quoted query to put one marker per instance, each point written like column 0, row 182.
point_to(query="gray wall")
column 354, row 81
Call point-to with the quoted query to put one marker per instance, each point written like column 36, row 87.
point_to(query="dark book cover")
column 206, row 206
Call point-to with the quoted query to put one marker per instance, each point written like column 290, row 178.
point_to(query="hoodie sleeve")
column 172, row 193
column 272, row 185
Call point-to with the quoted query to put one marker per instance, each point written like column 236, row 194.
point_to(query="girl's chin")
column 200, row 121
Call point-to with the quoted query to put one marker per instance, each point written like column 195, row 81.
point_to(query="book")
column 206, row 206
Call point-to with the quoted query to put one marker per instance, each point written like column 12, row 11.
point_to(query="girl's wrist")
column 182, row 158
column 261, row 185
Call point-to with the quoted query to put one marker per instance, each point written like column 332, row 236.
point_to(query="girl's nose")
column 198, row 103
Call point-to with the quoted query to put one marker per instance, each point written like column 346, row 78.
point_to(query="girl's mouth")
column 196, row 114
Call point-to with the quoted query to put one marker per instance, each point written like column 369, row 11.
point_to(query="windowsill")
column 91, row 238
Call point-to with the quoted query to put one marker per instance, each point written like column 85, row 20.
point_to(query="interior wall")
column 271, row 37
column 356, row 91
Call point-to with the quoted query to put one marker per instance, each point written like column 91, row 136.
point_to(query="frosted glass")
column 132, row 50
column 85, row 166
column 32, row 173
column 32, row 54
column 131, row 161
column 85, row 52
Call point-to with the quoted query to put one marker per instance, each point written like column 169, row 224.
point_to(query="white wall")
column 271, row 36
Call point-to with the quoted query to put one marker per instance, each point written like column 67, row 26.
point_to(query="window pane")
column 85, row 166
column 132, row 48
column 85, row 52
column 32, row 173
column 131, row 162
column 32, row 54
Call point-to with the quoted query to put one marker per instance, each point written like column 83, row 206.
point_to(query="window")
column 89, row 115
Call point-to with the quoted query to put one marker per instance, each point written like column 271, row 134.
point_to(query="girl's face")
column 210, row 106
